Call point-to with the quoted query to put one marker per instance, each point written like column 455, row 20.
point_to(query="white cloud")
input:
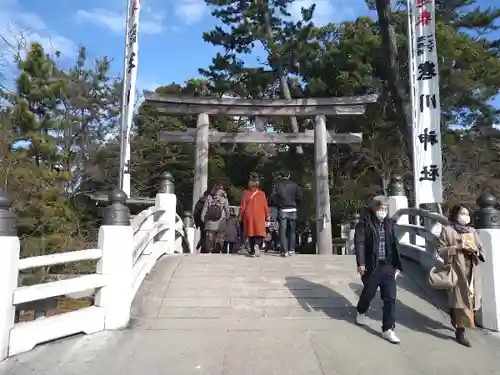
column 19, row 28
column 150, row 22
column 190, row 11
column 113, row 21
column 147, row 84
column 193, row 11
column 326, row 10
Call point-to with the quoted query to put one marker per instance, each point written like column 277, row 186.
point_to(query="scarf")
column 461, row 229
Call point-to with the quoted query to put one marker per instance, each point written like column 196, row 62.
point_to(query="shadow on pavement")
column 346, row 310
column 414, row 320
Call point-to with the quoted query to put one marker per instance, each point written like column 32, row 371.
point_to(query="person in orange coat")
column 254, row 211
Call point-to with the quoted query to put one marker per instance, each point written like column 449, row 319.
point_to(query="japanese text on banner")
column 426, row 130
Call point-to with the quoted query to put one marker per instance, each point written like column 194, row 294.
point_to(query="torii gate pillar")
column 200, row 184
column 324, row 239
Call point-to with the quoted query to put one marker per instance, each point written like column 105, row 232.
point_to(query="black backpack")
column 214, row 210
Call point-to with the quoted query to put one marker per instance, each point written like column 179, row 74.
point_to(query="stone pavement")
column 234, row 315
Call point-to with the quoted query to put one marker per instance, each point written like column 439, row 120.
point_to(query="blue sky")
column 170, row 44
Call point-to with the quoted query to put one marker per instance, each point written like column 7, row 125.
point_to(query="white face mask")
column 381, row 215
column 463, row 219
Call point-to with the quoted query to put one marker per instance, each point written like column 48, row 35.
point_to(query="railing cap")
column 117, row 196
column 5, row 200
column 188, row 219
column 117, row 213
column 166, row 176
column 8, row 224
column 487, row 217
column 166, row 183
column 396, row 186
column 486, row 200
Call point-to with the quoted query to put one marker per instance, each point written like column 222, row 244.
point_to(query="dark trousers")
column 230, row 247
column 383, row 277
column 275, row 240
column 210, row 242
column 255, row 240
column 287, row 224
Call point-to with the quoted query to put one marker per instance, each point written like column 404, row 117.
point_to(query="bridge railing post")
column 398, row 200
column 166, row 200
column 116, row 238
column 487, row 223
column 190, row 230
column 9, row 261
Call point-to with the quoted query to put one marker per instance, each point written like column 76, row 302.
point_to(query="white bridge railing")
column 420, row 243
column 127, row 251
column 417, row 242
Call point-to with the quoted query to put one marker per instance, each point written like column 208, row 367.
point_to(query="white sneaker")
column 360, row 319
column 390, row 336
column 256, row 250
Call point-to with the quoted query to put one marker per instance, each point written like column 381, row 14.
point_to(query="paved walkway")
column 234, row 315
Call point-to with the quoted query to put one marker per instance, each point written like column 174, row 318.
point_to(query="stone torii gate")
column 318, row 107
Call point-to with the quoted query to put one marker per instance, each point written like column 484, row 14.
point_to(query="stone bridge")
column 216, row 314
column 231, row 314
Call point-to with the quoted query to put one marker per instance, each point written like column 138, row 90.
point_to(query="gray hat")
column 379, row 201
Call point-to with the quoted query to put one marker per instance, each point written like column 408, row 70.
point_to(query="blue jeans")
column 288, row 225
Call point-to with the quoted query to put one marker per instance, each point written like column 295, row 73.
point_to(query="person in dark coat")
column 286, row 197
column 232, row 233
column 379, row 263
column 198, row 222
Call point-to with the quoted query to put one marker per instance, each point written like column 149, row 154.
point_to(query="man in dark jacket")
column 379, row 263
column 286, row 196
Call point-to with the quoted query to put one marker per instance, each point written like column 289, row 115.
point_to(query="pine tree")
column 46, row 220
column 251, row 24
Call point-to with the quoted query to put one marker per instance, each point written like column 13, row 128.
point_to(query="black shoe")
column 462, row 338
column 283, row 255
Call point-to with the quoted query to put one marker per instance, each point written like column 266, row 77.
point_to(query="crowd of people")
column 223, row 229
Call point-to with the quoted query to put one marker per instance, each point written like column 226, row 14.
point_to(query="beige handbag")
column 444, row 279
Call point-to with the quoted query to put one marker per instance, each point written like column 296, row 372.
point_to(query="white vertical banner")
column 128, row 95
column 426, row 108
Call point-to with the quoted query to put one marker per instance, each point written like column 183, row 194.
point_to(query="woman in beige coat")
column 460, row 245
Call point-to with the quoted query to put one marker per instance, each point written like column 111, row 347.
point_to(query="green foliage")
column 50, row 125
column 349, row 59
column 59, row 129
